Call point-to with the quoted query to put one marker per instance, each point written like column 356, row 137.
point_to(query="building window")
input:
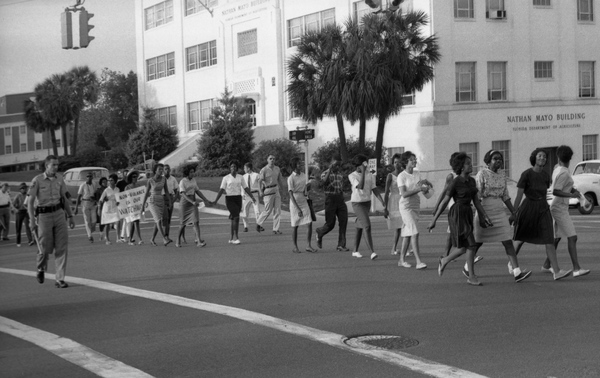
column 465, row 82
column 160, row 66
column 159, row 14
column 590, row 147
column 294, row 113
column 23, row 147
column 585, row 10
column 38, row 145
column 408, row 99
column 542, row 70
column 496, row 81
column 463, row 9
column 503, row 146
column 58, row 143
column 7, row 131
column 311, row 22
column 251, row 105
column 247, row 43
column 194, row 6
column 587, row 87
column 167, row 115
column 471, row 150
column 199, row 114
column 360, row 9
column 8, row 149
column 541, row 3
column 495, row 9
column 202, row 55
column 23, row 129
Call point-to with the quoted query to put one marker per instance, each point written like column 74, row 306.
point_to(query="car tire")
column 588, row 209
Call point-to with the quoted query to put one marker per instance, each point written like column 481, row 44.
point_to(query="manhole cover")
column 386, row 342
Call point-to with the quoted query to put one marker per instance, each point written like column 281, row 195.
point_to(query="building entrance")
column 552, row 159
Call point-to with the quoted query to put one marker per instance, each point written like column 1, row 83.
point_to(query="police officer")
column 50, row 191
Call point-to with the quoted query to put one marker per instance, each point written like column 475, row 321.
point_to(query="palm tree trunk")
column 379, row 140
column 74, row 141
column 362, row 135
column 342, row 134
column 53, row 139
column 64, row 139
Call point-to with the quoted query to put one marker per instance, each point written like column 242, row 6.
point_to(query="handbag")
column 313, row 216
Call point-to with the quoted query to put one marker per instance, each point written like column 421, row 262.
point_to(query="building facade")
column 21, row 149
column 514, row 74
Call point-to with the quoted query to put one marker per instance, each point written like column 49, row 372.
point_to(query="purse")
column 313, row 216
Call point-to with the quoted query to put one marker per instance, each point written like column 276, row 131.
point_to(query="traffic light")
column 84, row 28
column 66, row 23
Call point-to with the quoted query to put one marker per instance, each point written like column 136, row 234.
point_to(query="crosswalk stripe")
column 397, row 358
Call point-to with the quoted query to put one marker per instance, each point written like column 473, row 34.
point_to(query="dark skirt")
column 234, row 205
column 534, row 223
column 460, row 220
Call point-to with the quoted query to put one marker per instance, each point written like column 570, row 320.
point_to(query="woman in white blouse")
column 232, row 186
column 299, row 209
column 188, row 205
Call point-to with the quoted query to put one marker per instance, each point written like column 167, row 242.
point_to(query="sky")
column 30, row 41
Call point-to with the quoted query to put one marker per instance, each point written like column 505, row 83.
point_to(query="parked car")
column 586, row 178
column 74, row 177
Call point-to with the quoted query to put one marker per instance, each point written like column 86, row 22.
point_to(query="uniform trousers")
column 272, row 204
column 53, row 238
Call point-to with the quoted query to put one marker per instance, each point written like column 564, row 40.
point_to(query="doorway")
column 552, row 159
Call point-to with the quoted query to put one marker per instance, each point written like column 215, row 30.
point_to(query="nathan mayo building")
column 514, row 75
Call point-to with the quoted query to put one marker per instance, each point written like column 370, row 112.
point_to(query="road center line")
column 71, row 351
column 397, row 358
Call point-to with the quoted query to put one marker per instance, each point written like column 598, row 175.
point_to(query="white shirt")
column 364, row 194
column 4, row 198
column 172, row 184
column 233, row 185
column 253, row 180
column 410, row 182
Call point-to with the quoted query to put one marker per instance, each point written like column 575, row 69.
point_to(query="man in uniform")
column 270, row 178
column 86, row 194
column 171, row 196
column 335, row 206
column 50, row 191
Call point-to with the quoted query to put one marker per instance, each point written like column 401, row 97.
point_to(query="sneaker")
column 404, row 264
column 547, row 270
column 409, row 253
column 18, row 245
column 373, row 256
column 477, row 259
column 357, row 255
column 510, row 268
column 561, row 274
column 465, row 272
column 581, row 272
column 236, row 241
column 394, row 252
column 421, row 266
column 319, row 241
column 342, row 249
column 523, row 275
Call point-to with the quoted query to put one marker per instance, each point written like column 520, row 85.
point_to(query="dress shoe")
column 259, row 228
column 342, row 248
column 61, row 285
column 245, row 229
column 40, row 276
column 319, row 241
column 277, row 232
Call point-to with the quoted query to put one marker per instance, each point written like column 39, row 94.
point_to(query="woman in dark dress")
column 463, row 191
column 533, row 222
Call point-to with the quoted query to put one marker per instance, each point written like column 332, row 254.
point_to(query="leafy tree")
column 154, row 139
column 323, row 155
column 37, row 123
column 230, row 135
column 84, row 85
column 283, row 150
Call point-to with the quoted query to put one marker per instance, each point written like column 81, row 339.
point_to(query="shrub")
column 154, row 138
column 283, row 149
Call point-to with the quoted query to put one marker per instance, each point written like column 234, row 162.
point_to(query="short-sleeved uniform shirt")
column 49, row 190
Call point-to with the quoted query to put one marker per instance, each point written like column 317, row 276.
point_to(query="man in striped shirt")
column 335, row 206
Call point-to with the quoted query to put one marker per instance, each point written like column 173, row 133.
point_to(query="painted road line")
column 71, row 351
column 397, row 358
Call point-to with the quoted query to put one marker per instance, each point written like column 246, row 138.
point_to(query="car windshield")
column 97, row 174
column 587, row 168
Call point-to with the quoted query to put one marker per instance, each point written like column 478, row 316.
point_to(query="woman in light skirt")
column 493, row 193
column 392, row 202
column 410, row 184
column 299, row 209
column 132, row 183
column 188, row 205
column 156, row 203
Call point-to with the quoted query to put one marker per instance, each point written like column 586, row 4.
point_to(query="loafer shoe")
column 581, row 272
column 523, row 276
column 404, row 264
column 561, row 274
column 40, row 276
column 357, row 255
column 547, row 270
column 373, row 256
column 61, row 285
column 259, row 228
column 421, row 266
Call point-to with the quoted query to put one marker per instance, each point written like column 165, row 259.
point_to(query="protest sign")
column 130, row 203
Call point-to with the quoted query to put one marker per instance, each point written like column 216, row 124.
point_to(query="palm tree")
column 313, row 71
column 84, row 85
column 37, row 123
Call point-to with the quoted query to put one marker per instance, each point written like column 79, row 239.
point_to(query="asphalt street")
column 258, row 310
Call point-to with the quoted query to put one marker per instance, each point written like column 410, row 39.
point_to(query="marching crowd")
column 534, row 221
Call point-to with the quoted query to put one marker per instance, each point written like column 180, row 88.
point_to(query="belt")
column 3, row 206
column 269, row 194
column 88, row 199
column 48, row 209
column 254, row 191
column 271, row 186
